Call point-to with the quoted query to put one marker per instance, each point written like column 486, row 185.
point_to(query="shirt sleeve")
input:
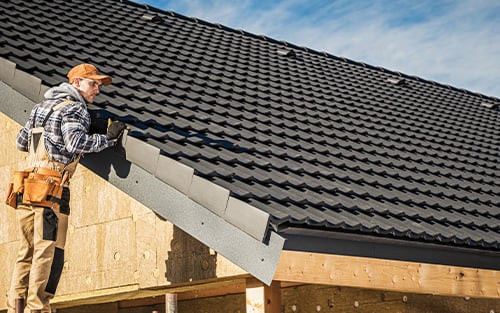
column 75, row 125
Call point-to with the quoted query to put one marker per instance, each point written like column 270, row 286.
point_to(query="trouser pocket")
column 49, row 225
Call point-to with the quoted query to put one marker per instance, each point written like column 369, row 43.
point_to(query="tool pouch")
column 11, row 196
column 16, row 187
column 43, row 189
column 39, row 187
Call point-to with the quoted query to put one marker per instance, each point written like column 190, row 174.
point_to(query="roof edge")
column 338, row 243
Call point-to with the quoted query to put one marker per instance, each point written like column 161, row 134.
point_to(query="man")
column 55, row 136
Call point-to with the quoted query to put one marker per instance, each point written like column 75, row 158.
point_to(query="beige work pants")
column 40, row 258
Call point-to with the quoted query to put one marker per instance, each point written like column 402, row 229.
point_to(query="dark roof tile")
column 327, row 143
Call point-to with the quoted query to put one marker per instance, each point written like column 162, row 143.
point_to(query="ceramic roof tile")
column 326, row 143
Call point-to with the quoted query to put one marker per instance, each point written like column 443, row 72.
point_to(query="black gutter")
column 328, row 242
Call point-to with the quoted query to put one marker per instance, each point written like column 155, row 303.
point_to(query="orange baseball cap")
column 88, row 71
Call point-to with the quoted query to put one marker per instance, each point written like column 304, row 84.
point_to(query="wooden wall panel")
column 147, row 272
column 8, row 226
column 10, row 160
column 9, row 155
column 99, row 256
column 8, row 253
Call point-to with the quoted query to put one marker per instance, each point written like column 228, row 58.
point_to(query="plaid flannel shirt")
column 66, row 131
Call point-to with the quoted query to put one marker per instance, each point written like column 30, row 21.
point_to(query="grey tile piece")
column 27, row 84
column 7, row 70
column 43, row 89
column 142, row 154
column 209, row 195
column 174, row 173
column 250, row 219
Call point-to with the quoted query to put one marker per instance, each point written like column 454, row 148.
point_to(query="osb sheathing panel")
column 10, row 160
column 112, row 240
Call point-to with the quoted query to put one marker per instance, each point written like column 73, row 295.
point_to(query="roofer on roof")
column 55, row 136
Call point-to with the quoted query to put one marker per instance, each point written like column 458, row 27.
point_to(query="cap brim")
column 105, row 80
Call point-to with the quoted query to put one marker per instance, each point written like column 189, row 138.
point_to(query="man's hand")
column 98, row 121
column 115, row 129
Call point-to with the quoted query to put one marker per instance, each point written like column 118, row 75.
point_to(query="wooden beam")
column 231, row 287
column 263, row 299
column 131, row 295
column 315, row 268
column 198, row 292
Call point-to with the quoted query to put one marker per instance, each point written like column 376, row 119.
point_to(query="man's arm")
column 75, row 126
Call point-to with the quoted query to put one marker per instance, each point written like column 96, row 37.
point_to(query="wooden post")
column 263, row 299
column 171, row 303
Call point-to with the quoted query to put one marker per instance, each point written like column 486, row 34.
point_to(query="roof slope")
column 316, row 141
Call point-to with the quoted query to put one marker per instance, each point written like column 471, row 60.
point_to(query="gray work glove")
column 115, row 129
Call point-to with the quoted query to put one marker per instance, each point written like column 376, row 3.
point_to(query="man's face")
column 88, row 88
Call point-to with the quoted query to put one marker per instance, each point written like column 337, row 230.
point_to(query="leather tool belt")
column 36, row 186
column 42, row 184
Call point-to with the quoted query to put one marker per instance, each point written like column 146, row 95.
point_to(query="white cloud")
column 451, row 42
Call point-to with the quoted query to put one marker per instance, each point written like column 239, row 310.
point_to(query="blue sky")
column 454, row 42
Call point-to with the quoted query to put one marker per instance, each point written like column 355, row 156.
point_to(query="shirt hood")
column 64, row 90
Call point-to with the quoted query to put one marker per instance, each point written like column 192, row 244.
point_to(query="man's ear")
column 76, row 82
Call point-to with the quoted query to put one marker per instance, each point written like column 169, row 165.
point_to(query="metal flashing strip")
column 250, row 254
column 25, row 88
